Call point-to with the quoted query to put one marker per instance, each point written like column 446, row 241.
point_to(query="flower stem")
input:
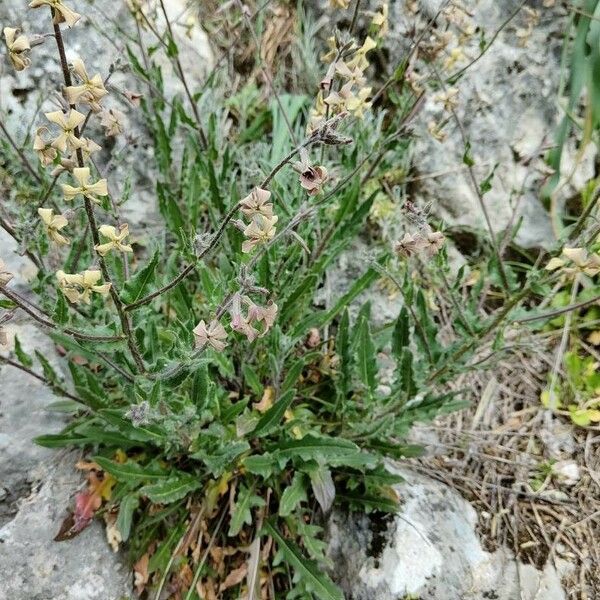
column 89, row 210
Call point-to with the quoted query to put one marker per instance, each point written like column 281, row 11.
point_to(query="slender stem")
column 478, row 193
column 219, row 233
column 560, row 311
column 21, row 154
column 203, row 138
column 57, row 388
column 579, row 226
column 354, row 17
column 89, row 209
column 46, row 323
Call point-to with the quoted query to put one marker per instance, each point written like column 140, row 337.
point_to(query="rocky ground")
column 431, row 549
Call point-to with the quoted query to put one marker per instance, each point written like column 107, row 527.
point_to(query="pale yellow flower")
column 357, row 104
column 79, row 286
column 89, row 146
column 54, row 224
column 344, row 4
column 46, row 153
column 62, row 13
column 354, row 76
column 5, row 276
column 213, row 335
column 85, row 188
column 91, row 90
column 113, row 122
column 18, row 45
column 448, row 98
column 257, row 203
column 455, row 56
column 359, row 60
column 115, row 238
column 380, row 20
column 68, row 123
column 434, row 242
column 410, row 244
column 259, row 231
column 582, row 261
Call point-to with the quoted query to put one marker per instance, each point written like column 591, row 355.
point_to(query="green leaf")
column 221, row 458
column 137, row 285
column 22, row 356
column 61, row 310
column 125, row 517
column 293, row 495
column 333, row 451
column 366, row 358
column 401, row 335
column 468, row 156
column 308, row 570
column 260, row 464
column 272, row 418
column 242, row 512
column 252, row 380
column 131, row 472
column 342, row 346
column 166, row 492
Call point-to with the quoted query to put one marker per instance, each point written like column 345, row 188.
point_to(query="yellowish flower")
column 213, row 335
column 259, row 231
column 46, row 153
column 588, row 264
column 91, row 90
column 62, row 13
column 113, row 122
column 54, row 224
column 359, row 60
column 357, row 104
column 5, row 276
column 68, row 123
column 85, row 188
column 257, row 203
column 344, row 4
column 456, row 55
column 436, row 131
column 353, row 76
column 115, row 238
column 448, row 98
column 79, row 287
column 332, row 51
column 380, row 20
column 18, row 46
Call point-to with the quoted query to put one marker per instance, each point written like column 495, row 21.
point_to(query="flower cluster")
column 430, row 242
column 343, row 88
column 259, row 210
column 575, row 261
column 254, row 324
column 78, row 287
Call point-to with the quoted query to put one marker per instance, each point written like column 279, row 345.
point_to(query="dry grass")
column 496, row 454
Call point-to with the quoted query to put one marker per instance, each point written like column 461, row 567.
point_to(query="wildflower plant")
column 224, row 406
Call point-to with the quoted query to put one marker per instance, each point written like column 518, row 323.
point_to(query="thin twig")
column 57, row 388
column 203, row 139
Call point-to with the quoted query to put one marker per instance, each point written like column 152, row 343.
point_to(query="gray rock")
column 507, row 105
column 37, row 486
column 429, row 550
column 34, row 567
